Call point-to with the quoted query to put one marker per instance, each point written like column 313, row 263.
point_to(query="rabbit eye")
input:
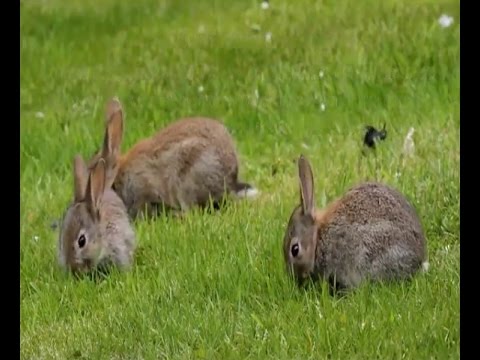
column 295, row 250
column 82, row 241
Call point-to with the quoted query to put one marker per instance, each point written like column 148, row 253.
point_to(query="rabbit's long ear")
column 113, row 139
column 80, row 177
column 307, row 196
column 114, row 129
column 96, row 187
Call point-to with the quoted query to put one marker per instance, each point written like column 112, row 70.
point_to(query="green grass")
column 213, row 286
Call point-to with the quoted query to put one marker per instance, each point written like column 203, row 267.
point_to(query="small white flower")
column 408, row 144
column 321, row 74
column 322, row 107
column 425, row 266
column 265, row 5
column 201, row 29
column 268, row 37
column 35, row 238
column 445, row 20
column 200, row 89
column 39, row 115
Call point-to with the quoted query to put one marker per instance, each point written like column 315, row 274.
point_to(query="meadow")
column 299, row 77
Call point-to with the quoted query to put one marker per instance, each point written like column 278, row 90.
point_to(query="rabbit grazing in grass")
column 95, row 231
column 188, row 163
column 372, row 232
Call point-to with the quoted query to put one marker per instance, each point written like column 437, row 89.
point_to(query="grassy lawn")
column 213, row 286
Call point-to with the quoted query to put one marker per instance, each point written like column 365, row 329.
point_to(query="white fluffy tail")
column 244, row 190
column 247, row 193
column 425, row 266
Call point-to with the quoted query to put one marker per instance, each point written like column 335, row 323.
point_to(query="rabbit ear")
column 80, row 175
column 307, row 197
column 114, row 129
column 96, row 186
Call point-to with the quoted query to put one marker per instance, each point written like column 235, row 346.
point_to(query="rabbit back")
column 183, row 165
column 373, row 232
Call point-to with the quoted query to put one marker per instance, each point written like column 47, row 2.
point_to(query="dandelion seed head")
column 445, row 21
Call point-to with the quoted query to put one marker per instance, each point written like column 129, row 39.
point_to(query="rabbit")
column 95, row 232
column 186, row 164
column 371, row 232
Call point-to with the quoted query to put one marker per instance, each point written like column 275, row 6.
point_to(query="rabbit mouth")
column 81, row 267
column 93, row 256
column 302, row 279
column 87, row 264
column 305, row 277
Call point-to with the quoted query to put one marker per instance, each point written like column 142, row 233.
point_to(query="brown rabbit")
column 186, row 164
column 96, row 231
column 372, row 232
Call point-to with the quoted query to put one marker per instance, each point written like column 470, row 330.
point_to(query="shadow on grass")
column 339, row 291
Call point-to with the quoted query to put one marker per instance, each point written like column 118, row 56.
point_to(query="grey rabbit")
column 95, row 232
column 371, row 232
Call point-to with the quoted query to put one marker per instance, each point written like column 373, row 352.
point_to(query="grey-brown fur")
column 100, row 215
column 371, row 232
column 188, row 163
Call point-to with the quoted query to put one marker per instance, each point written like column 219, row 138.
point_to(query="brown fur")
column 185, row 164
column 323, row 216
column 99, row 216
column 371, row 232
